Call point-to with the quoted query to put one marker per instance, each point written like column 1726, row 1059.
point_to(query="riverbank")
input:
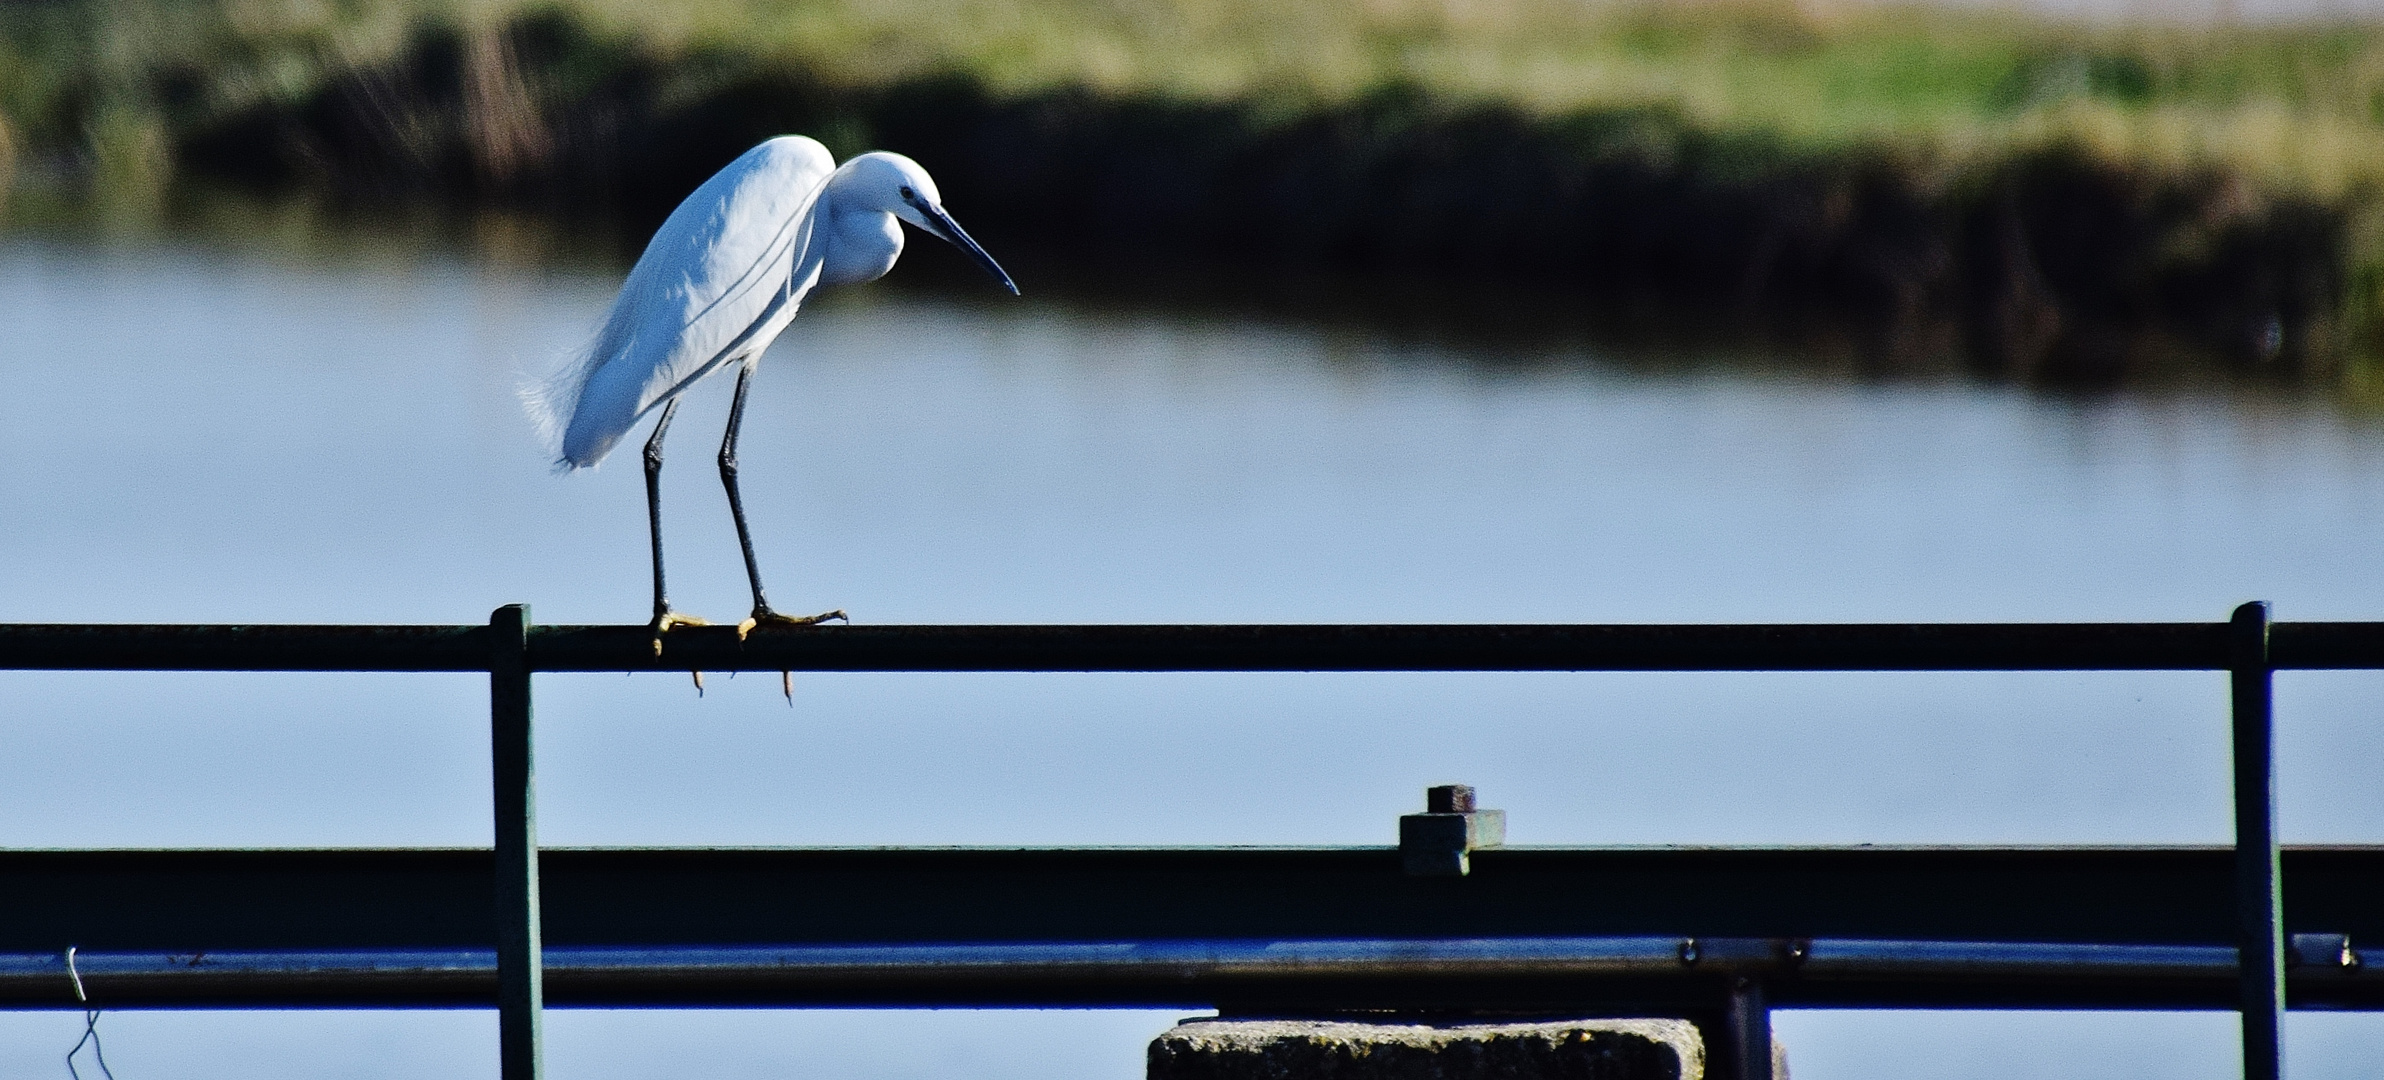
column 2045, row 201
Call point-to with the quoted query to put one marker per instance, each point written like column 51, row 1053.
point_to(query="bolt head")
column 1449, row 799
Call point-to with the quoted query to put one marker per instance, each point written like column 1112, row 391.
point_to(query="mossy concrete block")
column 1337, row 1050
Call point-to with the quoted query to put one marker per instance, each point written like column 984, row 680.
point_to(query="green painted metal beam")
column 436, row 898
column 1395, row 647
column 1608, row 930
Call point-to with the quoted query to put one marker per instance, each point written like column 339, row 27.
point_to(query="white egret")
column 722, row 277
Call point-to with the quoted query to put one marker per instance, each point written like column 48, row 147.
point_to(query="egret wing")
column 724, row 272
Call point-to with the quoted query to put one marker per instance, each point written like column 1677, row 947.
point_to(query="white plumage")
column 718, row 280
column 724, row 275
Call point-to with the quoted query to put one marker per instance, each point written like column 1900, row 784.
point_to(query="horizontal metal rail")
column 326, row 899
column 1600, row 973
column 1391, row 647
column 332, row 921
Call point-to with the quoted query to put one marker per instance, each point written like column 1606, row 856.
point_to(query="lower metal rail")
column 1612, row 973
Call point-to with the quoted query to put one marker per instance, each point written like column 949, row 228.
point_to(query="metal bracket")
column 2321, row 951
column 1438, row 842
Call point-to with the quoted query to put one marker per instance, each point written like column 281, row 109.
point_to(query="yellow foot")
column 666, row 619
column 766, row 617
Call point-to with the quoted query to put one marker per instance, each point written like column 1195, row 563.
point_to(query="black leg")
column 736, row 501
column 736, row 509
column 654, row 503
column 664, row 617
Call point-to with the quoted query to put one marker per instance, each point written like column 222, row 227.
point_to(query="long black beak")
column 951, row 230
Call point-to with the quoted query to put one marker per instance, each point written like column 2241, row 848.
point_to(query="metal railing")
column 1722, row 934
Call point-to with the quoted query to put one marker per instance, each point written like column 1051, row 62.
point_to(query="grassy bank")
column 2049, row 200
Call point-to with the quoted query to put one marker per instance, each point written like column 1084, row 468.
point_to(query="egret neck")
column 863, row 241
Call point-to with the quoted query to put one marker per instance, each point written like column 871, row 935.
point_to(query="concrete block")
column 1341, row 1050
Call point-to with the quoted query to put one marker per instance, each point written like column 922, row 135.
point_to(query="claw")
column 786, row 685
column 665, row 619
column 699, row 682
column 767, row 617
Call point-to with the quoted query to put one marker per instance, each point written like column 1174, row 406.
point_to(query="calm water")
column 197, row 435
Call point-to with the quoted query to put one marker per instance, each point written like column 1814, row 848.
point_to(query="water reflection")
column 214, row 435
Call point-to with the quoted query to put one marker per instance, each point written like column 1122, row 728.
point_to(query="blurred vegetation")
column 2052, row 199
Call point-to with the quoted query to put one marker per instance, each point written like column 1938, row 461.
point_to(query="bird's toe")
column 767, row 617
column 665, row 619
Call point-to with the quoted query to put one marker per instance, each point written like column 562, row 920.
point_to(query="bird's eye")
column 908, row 195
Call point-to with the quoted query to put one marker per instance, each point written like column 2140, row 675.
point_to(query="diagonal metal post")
column 2259, row 900
column 520, row 989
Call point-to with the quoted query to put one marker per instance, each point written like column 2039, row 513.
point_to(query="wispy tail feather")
column 551, row 399
column 559, row 404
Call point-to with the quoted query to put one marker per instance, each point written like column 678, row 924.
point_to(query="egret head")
column 894, row 184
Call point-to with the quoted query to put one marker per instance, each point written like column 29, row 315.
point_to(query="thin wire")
column 90, row 1025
